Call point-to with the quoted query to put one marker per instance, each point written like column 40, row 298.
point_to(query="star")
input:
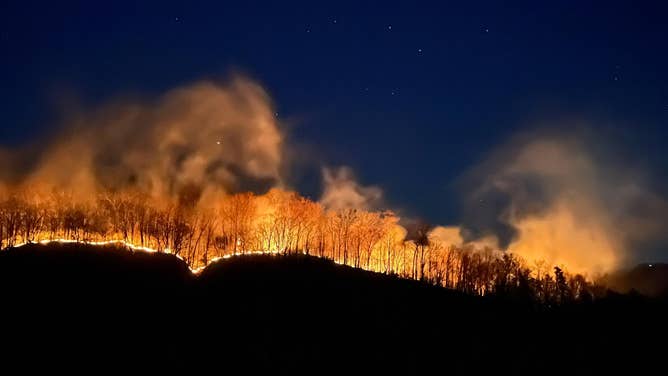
column 334, row 20
column 389, row 27
column 486, row 30
column 176, row 19
column 217, row 142
column 419, row 50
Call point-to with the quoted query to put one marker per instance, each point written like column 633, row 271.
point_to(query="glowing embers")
column 137, row 248
column 228, row 256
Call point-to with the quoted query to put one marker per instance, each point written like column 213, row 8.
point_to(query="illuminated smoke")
column 447, row 235
column 559, row 199
column 196, row 139
column 342, row 191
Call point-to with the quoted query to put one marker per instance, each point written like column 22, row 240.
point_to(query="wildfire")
column 158, row 177
column 278, row 222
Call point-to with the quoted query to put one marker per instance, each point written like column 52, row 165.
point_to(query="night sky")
column 410, row 95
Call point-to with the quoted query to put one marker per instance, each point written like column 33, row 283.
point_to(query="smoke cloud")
column 447, row 235
column 198, row 139
column 342, row 191
column 558, row 198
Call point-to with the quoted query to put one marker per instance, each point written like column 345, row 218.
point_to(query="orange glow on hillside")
column 278, row 222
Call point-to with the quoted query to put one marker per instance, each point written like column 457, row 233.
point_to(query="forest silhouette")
column 76, row 305
column 283, row 222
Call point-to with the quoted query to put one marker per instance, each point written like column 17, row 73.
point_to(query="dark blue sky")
column 409, row 94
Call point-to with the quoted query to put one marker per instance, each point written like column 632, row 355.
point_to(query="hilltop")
column 105, row 304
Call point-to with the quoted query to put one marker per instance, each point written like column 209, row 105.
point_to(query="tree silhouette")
column 280, row 221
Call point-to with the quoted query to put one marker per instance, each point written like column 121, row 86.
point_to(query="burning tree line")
column 279, row 221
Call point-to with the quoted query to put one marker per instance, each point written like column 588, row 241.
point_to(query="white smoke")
column 342, row 191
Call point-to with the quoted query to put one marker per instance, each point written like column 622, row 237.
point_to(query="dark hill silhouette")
column 81, row 306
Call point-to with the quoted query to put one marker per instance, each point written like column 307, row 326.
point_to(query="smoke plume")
column 193, row 140
column 342, row 191
column 561, row 199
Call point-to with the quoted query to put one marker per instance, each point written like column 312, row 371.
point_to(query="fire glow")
column 176, row 176
column 135, row 248
column 278, row 222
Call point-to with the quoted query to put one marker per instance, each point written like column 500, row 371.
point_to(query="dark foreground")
column 99, row 309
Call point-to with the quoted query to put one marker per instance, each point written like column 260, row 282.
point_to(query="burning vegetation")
column 276, row 222
column 200, row 173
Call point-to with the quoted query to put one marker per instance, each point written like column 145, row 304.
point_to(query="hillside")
column 81, row 305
